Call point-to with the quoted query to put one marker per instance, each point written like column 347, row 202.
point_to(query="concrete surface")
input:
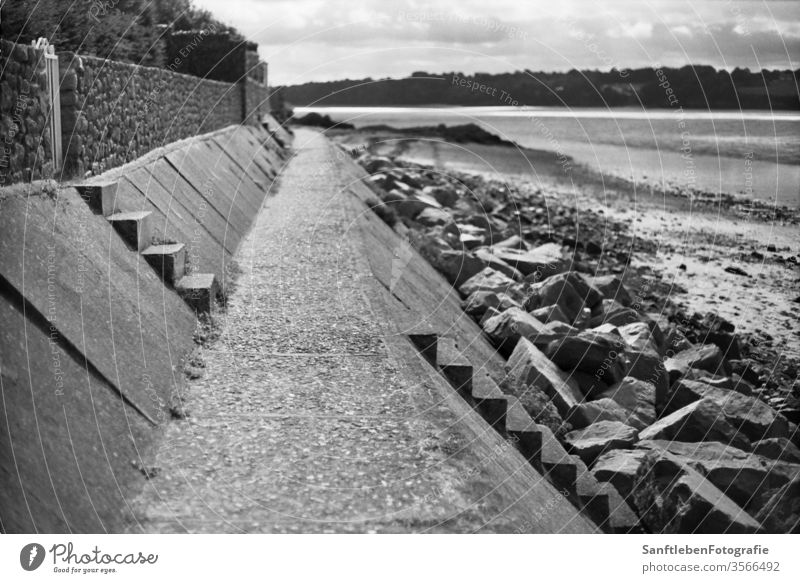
column 315, row 412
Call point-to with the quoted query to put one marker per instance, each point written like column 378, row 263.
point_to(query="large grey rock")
column 611, row 312
column 639, row 336
column 414, row 204
column 738, row 474
column 781, row 513
column 619, row 467
column 431, row 217
column 707, row 357
column 638, row 398
column 592, row 441
column 537, row 264
column 673, row 498
column 507, row 328
column 550, row 314
column 478, row 302
column 569, row 291
column 456, row 266
column 748, row 414
column 702, row 420
column 777, row 448
column 591, row 352
column 444, row 195
column 531, row 367
column 646, row 366
column 497, row 264
column 611, row 287
column 487, row 280
column 590, row 412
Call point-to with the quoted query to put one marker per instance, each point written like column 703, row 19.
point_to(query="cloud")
column 332, row 39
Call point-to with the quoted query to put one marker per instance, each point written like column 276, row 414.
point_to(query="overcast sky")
column 311, row 40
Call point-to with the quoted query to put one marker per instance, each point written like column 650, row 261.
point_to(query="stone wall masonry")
column 25, row 148
column 113, row 112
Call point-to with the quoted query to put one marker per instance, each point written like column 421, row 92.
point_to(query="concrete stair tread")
column 517, row 419
column 196, row 281
column 129, row 216
column 483, row 387
column 448, row 354
column 165, row 249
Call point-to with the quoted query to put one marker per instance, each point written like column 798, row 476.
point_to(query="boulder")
column 781, row 513
column 431, row 217
column 456, row 266
column 378, row 163
column 497, row 264
column 592, row 441
column 590, row 385
column 506, row 329
column 414, row 204
column 514, row 242
column 675, row 341
column 777, row 448
column 591, row 352
column 537, row 404
column 550, row 314
column 638, row 398
column 639, row 336
column 646, row 366
column 531, row 367
column 444, row 195
column 611, row 312
column 738, row 474
column 478, row 302
column 673, row 498
column 750, row 415
column 537, row 264
column 487, row 280
column 707, row 357
column 703, row 420
column 590, row 412
column 568, row 290
column 611, row 287
column 619, row 467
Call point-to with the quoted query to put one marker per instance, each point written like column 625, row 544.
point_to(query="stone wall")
column 25, row 148
column 114, row 112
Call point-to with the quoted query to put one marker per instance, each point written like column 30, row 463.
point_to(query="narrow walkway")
column 307, row 419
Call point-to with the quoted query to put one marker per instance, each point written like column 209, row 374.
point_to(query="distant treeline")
column 694, row 87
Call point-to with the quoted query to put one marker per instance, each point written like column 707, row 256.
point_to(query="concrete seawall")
column 93, row 341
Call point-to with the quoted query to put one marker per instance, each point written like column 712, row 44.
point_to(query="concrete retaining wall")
column 93, row 342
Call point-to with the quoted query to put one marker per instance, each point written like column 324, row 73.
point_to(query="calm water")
column 754, row 153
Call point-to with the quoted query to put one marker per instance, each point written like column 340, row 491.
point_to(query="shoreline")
column 696, row 257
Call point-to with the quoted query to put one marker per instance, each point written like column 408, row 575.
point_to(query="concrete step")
column 168, row 260
column 426, row 343
column 134, row 227
column 453, row 365
column 101, row 197
column 600, row 501
column 199, row 290
column 556, row 462
column 489, row 400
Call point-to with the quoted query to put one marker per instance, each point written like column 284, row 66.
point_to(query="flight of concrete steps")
column 198, row 290
column 599, row 500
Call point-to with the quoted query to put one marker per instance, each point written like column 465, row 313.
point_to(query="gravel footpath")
column 306, row 420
